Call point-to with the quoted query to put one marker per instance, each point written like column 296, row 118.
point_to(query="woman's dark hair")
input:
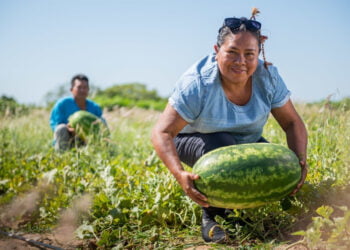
column 224, row 31
column 80, row 77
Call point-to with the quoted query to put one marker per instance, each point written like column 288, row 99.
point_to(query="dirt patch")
column 203, row 247
column 19, row 212
column 69, row 219
column 292, row 247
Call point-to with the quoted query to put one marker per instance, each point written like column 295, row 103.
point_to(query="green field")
column 118, row 193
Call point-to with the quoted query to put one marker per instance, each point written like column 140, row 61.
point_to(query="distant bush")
column 10, row 107
column 133, row 91
column 342, row 104
column 130, row 95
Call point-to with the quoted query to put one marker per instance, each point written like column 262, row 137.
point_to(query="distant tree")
column 327, row 103
column 133, row 91
column 342, row 104
column 130, row 95
column 9, row 106
column 7, row 99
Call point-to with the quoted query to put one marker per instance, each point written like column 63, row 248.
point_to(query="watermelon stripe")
column 247, row 175
column 87, row 124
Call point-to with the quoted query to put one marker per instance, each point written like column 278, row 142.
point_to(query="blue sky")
column 44, row 43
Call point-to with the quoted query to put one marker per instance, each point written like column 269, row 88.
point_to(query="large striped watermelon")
column 87, row 125
column 247, row 175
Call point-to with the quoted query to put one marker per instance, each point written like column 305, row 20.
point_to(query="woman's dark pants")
column 190, row 147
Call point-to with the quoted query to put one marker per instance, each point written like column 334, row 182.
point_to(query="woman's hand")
column 185, row 180
column 304, row 170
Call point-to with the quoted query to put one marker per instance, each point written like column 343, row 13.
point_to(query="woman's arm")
column 168, row 126
column 296, row 133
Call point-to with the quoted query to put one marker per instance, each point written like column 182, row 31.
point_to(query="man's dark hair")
column 80, row 77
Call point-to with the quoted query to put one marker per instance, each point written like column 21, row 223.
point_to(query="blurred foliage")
column 134, row 91
column 342, row 104
column 327, row 231
column 130, row 95
column 10, row 107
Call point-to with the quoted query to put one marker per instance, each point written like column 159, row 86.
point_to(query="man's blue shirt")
column 66, row 107
column 200, row 100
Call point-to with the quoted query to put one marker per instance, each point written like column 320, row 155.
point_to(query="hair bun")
column 255, row 12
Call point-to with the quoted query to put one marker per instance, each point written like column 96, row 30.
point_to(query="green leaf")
column 301, row 233
column 325, row 211
column 84, row 230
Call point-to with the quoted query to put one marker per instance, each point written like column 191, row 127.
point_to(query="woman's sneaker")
column 212, row 231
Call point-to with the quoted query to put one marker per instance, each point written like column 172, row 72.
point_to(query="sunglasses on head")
column 234, row 24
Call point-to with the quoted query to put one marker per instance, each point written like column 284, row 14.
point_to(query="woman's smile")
column 239, row 70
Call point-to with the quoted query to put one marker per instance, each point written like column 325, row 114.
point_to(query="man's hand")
column 70, row 129
column 304, row 170
column 185, row 180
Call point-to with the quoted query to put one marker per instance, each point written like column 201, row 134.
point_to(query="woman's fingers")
column 304, row 171
column 188, row 186
column 195, row 191
column 197, row 197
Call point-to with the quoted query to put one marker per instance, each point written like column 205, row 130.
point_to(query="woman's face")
column 237, row 57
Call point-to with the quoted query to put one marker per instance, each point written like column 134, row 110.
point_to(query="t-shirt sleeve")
column 187, row 98
column 98, row 111
column 280, row 93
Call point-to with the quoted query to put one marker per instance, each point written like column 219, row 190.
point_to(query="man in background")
column 64, row 136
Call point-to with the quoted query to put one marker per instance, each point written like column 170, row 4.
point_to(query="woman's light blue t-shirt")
column 200, row 100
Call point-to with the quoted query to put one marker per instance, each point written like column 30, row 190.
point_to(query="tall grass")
column 29, row 133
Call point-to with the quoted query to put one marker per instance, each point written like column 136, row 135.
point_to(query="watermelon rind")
column 247, row 175
column 87, row 125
